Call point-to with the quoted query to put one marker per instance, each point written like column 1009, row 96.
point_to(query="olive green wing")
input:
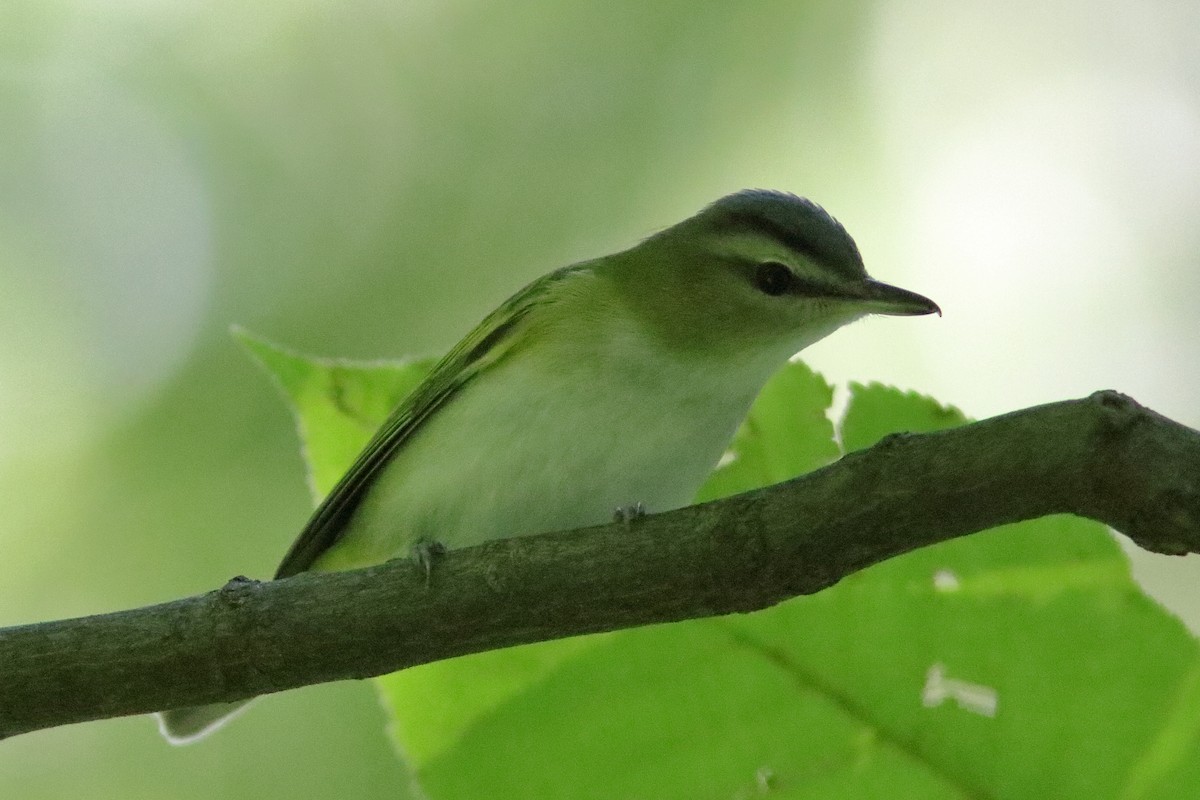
column 488, row 343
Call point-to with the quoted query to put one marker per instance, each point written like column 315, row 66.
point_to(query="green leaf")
column 876, row 410
column 1020, row 662
column 435, row 705
column 337, row 404
column 788, row 433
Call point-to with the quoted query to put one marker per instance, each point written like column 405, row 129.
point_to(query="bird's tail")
column 186, row 725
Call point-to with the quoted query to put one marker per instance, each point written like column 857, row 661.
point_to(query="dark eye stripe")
column 775, row 279
column 808, row 288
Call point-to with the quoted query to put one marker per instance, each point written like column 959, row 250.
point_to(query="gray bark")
column 1103, row 457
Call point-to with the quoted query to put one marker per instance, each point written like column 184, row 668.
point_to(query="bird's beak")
column 883, row 298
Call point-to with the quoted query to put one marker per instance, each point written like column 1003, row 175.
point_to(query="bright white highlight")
column 945, row 580
column 973, row 697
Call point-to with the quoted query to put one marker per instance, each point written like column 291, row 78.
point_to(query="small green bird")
column 607, row 385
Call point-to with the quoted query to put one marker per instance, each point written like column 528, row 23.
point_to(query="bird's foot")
column 627, row 515
column 425, row 553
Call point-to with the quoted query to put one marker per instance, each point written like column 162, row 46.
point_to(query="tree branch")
column 1103, row 457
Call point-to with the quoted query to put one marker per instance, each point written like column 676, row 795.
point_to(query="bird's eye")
column 773, row 278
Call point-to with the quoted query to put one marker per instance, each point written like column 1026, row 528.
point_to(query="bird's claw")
column 425, row 553
column 626, row 515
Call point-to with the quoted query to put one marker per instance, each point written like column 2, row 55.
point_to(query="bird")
column 614, row 384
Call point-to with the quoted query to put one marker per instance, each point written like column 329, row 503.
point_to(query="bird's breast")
column 541, row 442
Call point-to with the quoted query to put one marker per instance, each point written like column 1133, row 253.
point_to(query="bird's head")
column 755, row 272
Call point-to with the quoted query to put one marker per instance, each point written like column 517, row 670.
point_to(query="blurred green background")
column 368, row 179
